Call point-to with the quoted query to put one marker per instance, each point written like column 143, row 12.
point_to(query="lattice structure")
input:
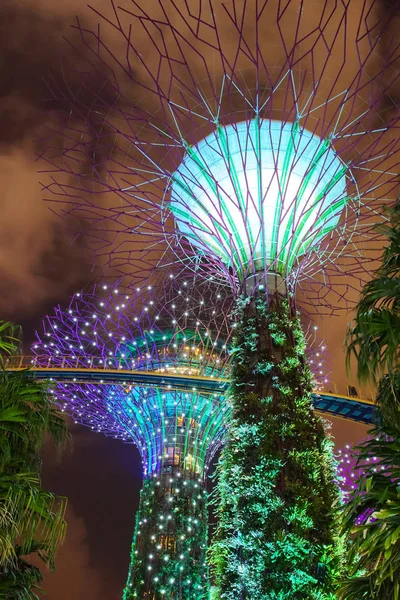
column 183, row 327
column 272, row 113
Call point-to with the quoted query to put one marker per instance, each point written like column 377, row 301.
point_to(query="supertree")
column 258, row 141
column 180, row 327
column 169, row 329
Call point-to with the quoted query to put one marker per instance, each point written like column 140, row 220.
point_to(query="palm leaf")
column 10, row 337
column 374, row 337
column 371, row 521
column 32, row 520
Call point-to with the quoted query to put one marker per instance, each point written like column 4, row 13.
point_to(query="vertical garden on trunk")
column 168, row 558
column 277, row 533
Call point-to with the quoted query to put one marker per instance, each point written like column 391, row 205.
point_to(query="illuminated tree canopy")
column 288, row 96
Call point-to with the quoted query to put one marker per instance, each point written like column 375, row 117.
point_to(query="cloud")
column 74, row 577
column 40, row 263
column 40, row 72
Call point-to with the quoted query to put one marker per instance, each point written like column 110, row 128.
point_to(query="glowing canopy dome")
column 259, row 194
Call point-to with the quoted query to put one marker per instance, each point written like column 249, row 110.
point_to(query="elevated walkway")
column 345, row 407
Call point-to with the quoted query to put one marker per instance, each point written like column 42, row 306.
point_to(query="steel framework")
column 179, row 73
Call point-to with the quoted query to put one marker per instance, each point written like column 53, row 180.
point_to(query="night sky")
column 40, row 267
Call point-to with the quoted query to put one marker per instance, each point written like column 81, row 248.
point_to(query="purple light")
column 350, row 469
column 133, row 331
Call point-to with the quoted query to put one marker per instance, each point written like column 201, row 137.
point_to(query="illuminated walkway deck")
column 345, row 407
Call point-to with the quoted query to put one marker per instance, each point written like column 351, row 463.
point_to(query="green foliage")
column 374, row 337
column 374, row 341
column 388, row 399
column 171, row 538
column 277, row 536
column 31, row 519
column 22, row 581
column 371, row 519
column 10, row 338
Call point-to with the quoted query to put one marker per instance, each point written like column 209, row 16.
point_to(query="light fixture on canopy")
column 258, row 194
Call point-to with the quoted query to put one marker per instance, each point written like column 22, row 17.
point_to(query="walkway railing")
column 110, row 364
column 92, row 371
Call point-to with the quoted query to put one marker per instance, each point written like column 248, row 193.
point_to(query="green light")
column 177, row 560
column 259, row 193
column 277, row 498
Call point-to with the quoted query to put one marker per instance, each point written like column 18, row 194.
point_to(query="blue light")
column 259, row 194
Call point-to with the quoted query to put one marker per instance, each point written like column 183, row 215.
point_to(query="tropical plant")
column 22, row 581
column 31, row 519
column 371, row 519
column 374, row 337
column 10, row 337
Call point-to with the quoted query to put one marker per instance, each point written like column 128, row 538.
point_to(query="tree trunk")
column 277, row 496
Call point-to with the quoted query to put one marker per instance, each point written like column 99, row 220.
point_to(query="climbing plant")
column 277, row 502
column 168, row 559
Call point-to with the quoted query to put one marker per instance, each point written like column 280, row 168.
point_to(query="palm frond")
column 21, row 582
column 10, row 338
column 32, row 520
column 374, row 341
column 371, row 521
column 374, row 336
